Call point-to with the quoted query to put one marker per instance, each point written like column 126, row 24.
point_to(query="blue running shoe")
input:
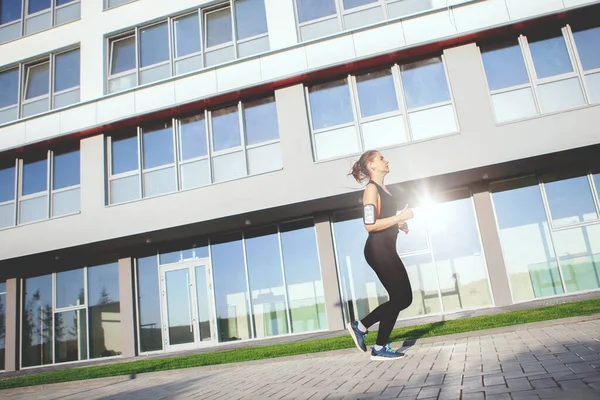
column 358, row 336
column 386, row 353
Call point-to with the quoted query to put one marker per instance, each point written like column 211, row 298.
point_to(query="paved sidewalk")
column 550, row 360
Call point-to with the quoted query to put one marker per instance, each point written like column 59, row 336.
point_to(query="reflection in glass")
column 66, row 169
column 376, row 93
column 348, row 4
column 104, row 310
column 425, row 83
column 314, row 9
column 260, row 118
column 124, row 154
column 149, row 304
column 37, row 81
column 416, row 240
column 70, row 335
column 266, row 282
column 7, row 184
column 504, row 66
column 362, row 290
column 250, row 18
column 203, row 296
column 9, row 87
column 179, row 306
column 570, row 199
column 423, row 280
column 550, row 57
column 587, row 46
column 69, row 289
column 330, row 104
column 226, row 128
column 67, row 70
column 157, row 142
column 459, row 261
column 218, row 27
column 187, row 35
column 154, row 44
column 578, row 251
column 34, row 177
column 303, row 276
column 199, row 250
column 233, row 317
column 193, row 143
column 525, row 239
column 122, row 55
column 36, row 328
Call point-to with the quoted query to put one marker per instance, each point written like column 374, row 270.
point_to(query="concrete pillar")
column 11, row 339
column 491, row 245
column 127, row 307
column 92, row 175
column 294, row 131
column 281, row 19
column 333, row 301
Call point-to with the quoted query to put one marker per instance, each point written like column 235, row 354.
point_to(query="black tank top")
column 388, row 208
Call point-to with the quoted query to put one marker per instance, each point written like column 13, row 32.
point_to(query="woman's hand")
column 406, row 214
column 403, row 226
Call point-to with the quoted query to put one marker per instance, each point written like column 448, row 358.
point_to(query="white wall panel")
column 429, row 27
column 238, row 75
column 519, row 9
column 481, row 15
column 330, row 52
column 155, row 97
column 283, row 63
column 41, row 128
column 379, row 40
column 115, row 108
column 196, row 86
column 12, row 136
column 282, row 23
column 78, row 118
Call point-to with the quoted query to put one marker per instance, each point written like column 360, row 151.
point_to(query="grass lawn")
column 580, row 308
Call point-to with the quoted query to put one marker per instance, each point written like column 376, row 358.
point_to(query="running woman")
column 382, row 223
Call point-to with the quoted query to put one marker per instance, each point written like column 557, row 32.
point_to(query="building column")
column 333, row 301
column 491, row 245
column 11, row 342
column 127, row 307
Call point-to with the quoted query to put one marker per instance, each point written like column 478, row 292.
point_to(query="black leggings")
column 380, row 253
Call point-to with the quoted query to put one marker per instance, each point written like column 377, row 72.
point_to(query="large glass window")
column 104, row 311
column 265, row 282
column 318, row 18
column 39, row 15
column 59, row 309
column 549, row 233
column 204, row 38
column 9, row 95
column 49, row 83
column 47, row 193
column 231, row 289
column 244, row 141
column 2, row 324
column 537, row 74
column 148, row 302
column 381, row 108
column 446, row 268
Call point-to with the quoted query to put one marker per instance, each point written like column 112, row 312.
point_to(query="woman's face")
column 379, row 165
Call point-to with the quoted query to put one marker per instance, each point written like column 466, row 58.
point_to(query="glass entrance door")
column 187, row 305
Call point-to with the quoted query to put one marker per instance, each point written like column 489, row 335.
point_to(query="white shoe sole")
column 353, row 335
column 380, row 358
